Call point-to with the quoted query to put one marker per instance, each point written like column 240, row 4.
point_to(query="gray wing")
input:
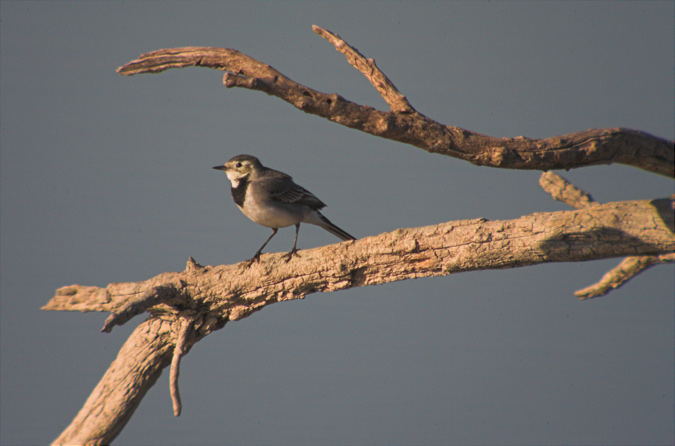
column 284, row 190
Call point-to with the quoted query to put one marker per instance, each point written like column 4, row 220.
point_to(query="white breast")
column 270, row 213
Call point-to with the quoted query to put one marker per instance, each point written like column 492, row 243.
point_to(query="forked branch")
column 622, row 273
column 397, row 102
column 563, row 190
column 213, row 296
column 404, row 124
column 186, row 306
column 230, row 292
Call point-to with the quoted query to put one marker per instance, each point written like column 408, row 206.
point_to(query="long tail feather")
column 330, row 227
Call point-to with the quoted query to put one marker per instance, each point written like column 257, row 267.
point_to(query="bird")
column 272, row 199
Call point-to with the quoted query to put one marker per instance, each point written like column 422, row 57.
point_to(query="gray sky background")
column 108, row 179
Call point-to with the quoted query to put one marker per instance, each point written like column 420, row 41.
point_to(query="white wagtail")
column 271, row 198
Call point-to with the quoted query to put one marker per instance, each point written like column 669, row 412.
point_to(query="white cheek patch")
column 233, row 177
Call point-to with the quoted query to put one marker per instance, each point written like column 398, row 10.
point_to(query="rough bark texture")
column 622, row 273
column 395, row 99
column 135, row 370
column 403, row 124
column 186, row 306
column 231, row 292
column 213, row 296
column 562, row 190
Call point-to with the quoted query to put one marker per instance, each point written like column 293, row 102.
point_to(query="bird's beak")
column 220, row 167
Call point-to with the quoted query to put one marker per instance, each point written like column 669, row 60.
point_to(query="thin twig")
column 138, row 305
column 622, row 273
column 562, row 190
column 394, row 98
column 178, row 351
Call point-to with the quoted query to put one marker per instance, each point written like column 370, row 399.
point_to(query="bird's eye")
column 238, row 164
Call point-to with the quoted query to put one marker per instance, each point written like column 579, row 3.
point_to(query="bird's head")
column 240, row 167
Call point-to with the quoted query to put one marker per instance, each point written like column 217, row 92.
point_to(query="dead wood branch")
column 404, row 124
column 397, row 102
column 229, row 292
column 562, row 190
column 139, row 303
column 212, row 296
column 178, row 352
column 622, row 273
column 186, row 306
column 137, row 367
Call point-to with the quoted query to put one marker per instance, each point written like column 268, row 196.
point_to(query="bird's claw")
column 250, row 262
column 290, row 254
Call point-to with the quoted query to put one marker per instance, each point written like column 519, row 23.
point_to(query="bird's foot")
column 250, row 262
column 290, row 254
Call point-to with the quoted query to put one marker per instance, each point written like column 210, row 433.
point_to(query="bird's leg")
column 294, row 251
column 257, row 254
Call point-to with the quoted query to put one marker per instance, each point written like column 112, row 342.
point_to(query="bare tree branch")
column 137, row 304
column 178, row 352
column 403, row 124
column 563, row 190
column 186, row 306
column 622, row 273
column 121, row 389
column 213, row 296
column 229, row 292
column 396, row 101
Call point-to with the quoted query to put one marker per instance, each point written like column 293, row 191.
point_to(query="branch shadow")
column 664, row 208
column 595, row 244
